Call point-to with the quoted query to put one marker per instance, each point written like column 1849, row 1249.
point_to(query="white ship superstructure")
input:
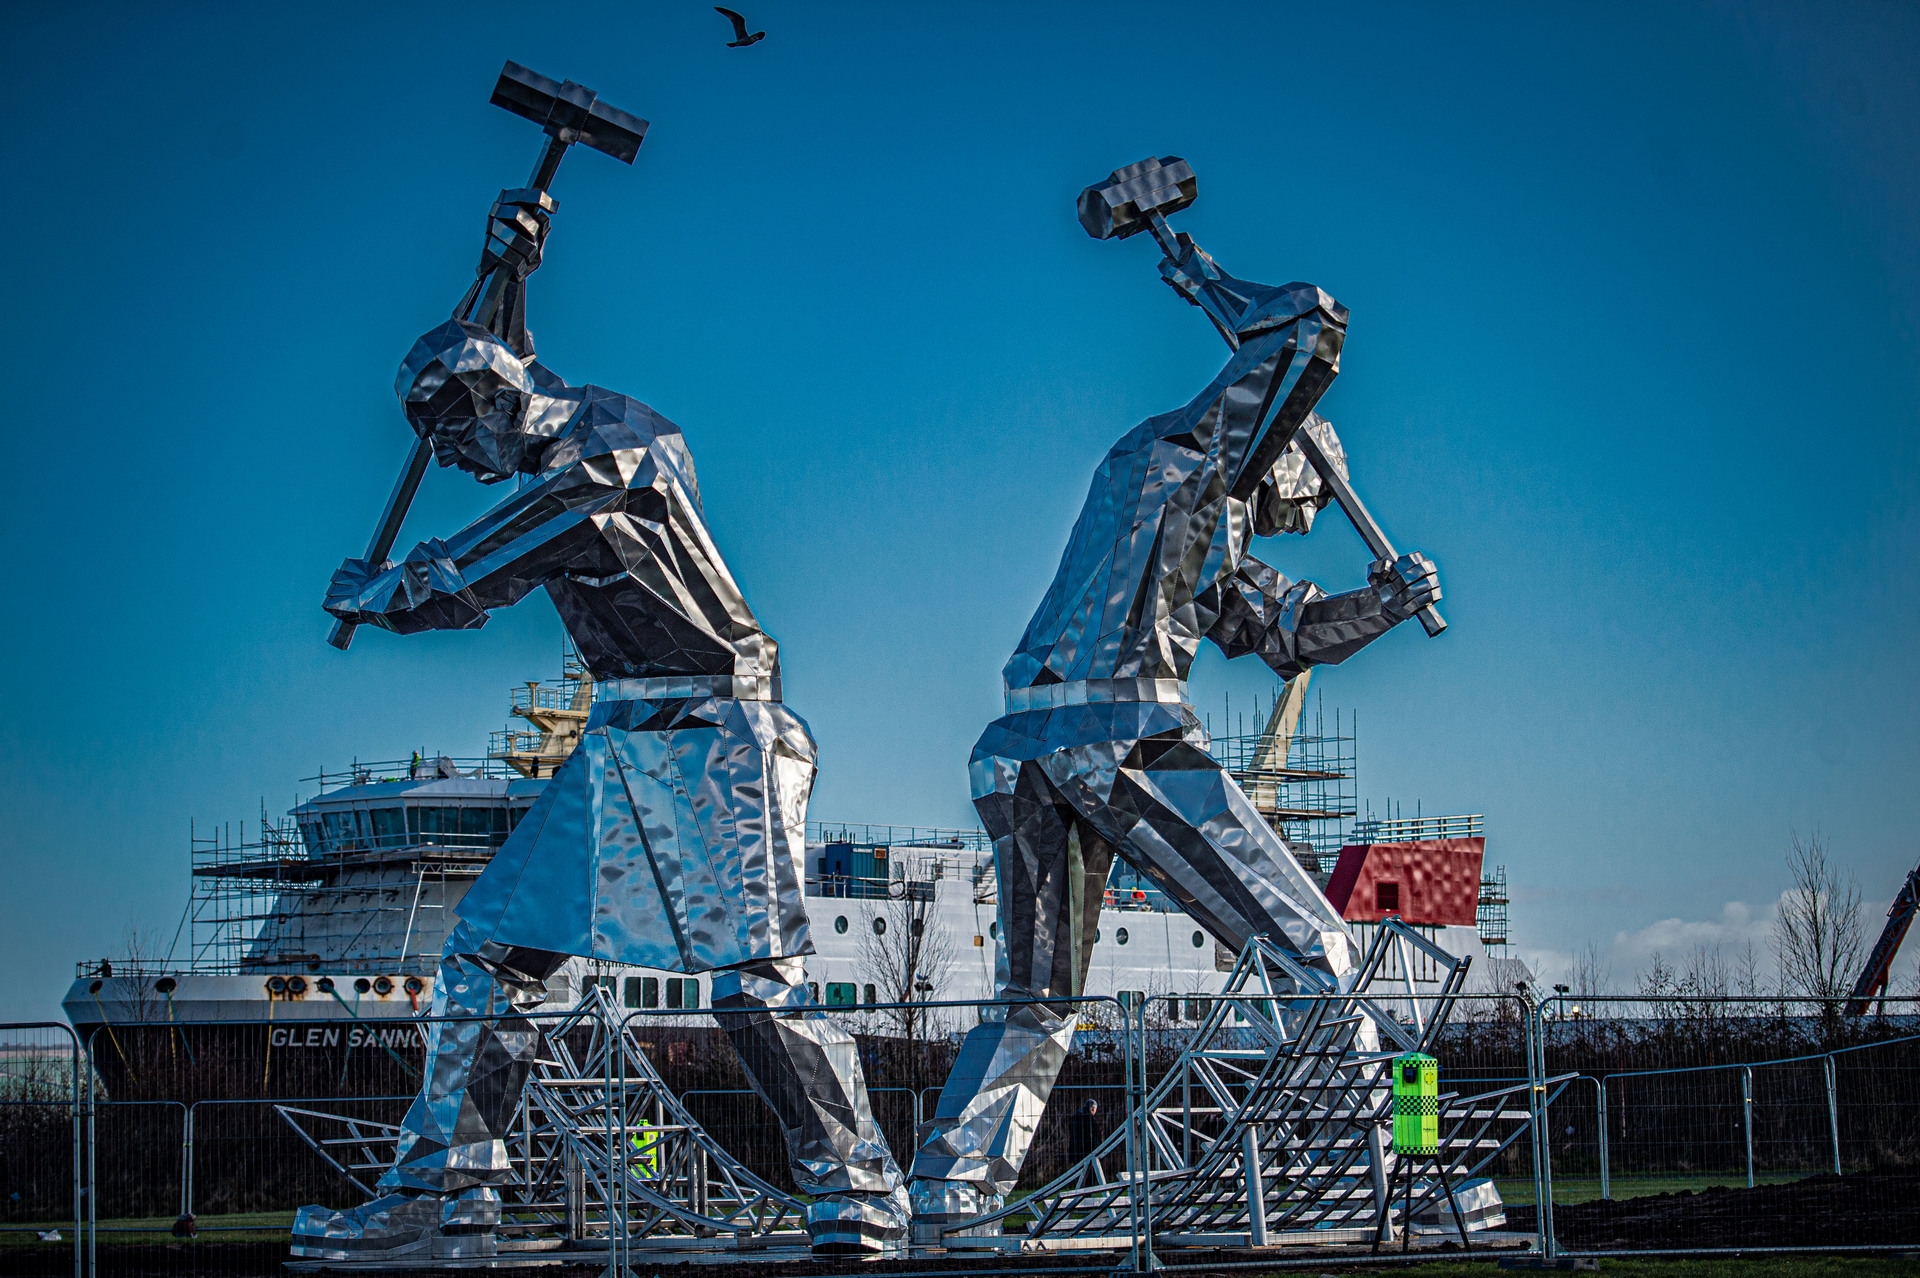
column 337, row 913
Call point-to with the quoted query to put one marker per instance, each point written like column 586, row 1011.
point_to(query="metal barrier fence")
column 1648, row 1126
column 1713, row 1124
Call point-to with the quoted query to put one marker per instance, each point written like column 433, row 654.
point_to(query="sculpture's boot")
column 807, row 1069
column 426, row 1226
column 859, row 1224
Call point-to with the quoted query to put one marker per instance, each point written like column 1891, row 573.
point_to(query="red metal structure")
column 1430, row 881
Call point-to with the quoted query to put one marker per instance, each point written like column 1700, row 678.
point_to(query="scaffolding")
column 1492, row 912
column 1298, row 771
column 1414, row 829
column 277, row 902
column 239, row 886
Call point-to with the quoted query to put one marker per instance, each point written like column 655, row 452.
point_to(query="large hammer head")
column 571, row 112
column 1118, row 207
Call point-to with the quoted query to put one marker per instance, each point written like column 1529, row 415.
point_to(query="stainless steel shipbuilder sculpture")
column 1099, row 753
column 673, row 836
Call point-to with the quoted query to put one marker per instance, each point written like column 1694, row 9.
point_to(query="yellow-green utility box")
column 1416, row 1104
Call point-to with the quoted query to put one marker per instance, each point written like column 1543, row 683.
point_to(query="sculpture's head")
column 1291, row 494
column 467, row 393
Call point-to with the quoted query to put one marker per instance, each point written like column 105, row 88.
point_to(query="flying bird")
column 740, row 37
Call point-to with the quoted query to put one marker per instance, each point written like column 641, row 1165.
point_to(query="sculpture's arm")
column 517, row 228
column 1293, row 625
column 1296, row 324
column 545, row 529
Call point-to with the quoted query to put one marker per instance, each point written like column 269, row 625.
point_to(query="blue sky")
column 1634, row 296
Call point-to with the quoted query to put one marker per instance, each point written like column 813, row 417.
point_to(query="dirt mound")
column 1864, row 1209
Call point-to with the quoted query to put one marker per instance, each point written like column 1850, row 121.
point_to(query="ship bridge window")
column 342, row 831
column 389, row 827
column 459, row 827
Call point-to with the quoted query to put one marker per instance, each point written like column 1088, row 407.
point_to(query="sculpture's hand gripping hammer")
column 568, row 113
column 1139, row 198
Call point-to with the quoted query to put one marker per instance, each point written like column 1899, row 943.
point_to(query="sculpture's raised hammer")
column 568, row 113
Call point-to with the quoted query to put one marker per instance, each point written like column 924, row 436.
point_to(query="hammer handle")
column 491, row 294
column 1362, row 519
column 389, row 530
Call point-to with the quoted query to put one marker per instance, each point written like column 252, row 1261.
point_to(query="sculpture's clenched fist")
column 1406, row 585
column 517, row 231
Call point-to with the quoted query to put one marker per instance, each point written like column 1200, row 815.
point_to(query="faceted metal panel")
column 1099, row 755
column 674, row 836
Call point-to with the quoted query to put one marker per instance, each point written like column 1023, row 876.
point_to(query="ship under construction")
column 330, row 920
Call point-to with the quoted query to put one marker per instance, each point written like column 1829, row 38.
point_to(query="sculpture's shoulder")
column 607, row 426
column 1275, row 306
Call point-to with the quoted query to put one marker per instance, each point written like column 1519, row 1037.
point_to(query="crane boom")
column 1873, row 977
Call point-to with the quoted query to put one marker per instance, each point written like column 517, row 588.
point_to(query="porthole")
column 1096, row 936
column 840, row 925
column 324, row 985
column 361, row 985
column 1120, row 936
column 277, row 985
column 993, row 930
column 1199, row 940
column 297, row 985
column 879, row 927
column 415, row 985
column 382, row 985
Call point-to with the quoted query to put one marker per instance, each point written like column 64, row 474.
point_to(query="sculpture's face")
column 468, row 393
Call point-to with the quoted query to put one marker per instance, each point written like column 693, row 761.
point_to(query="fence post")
column 1606, row 1187
column 1542, row 1138
column 93, row 1180
column 1135, row 1067
column 616, row 1160
column 1377, row 1157
column 186, row 1159
column 1256, row 1191
column 1833, row 1109
column 1746, row 1115
column 79, row 1063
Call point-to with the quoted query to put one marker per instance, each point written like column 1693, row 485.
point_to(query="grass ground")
column 1584, row 1189
column 261, row 1226
column 1758, row 1267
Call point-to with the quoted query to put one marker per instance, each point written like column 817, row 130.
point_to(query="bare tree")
column 1589, row 975
column 1747, row 977
column 142, row 965
column 907, row 958
column 1818, row 940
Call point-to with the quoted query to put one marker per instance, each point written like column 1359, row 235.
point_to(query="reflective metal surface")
column 673, row 836
column 1098, row 754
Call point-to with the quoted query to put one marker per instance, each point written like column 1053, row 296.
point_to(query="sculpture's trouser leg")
column 1057, row 821
column 454, row 1133
column 807, row 1069
column 1052, row 872
column 439, row 1195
